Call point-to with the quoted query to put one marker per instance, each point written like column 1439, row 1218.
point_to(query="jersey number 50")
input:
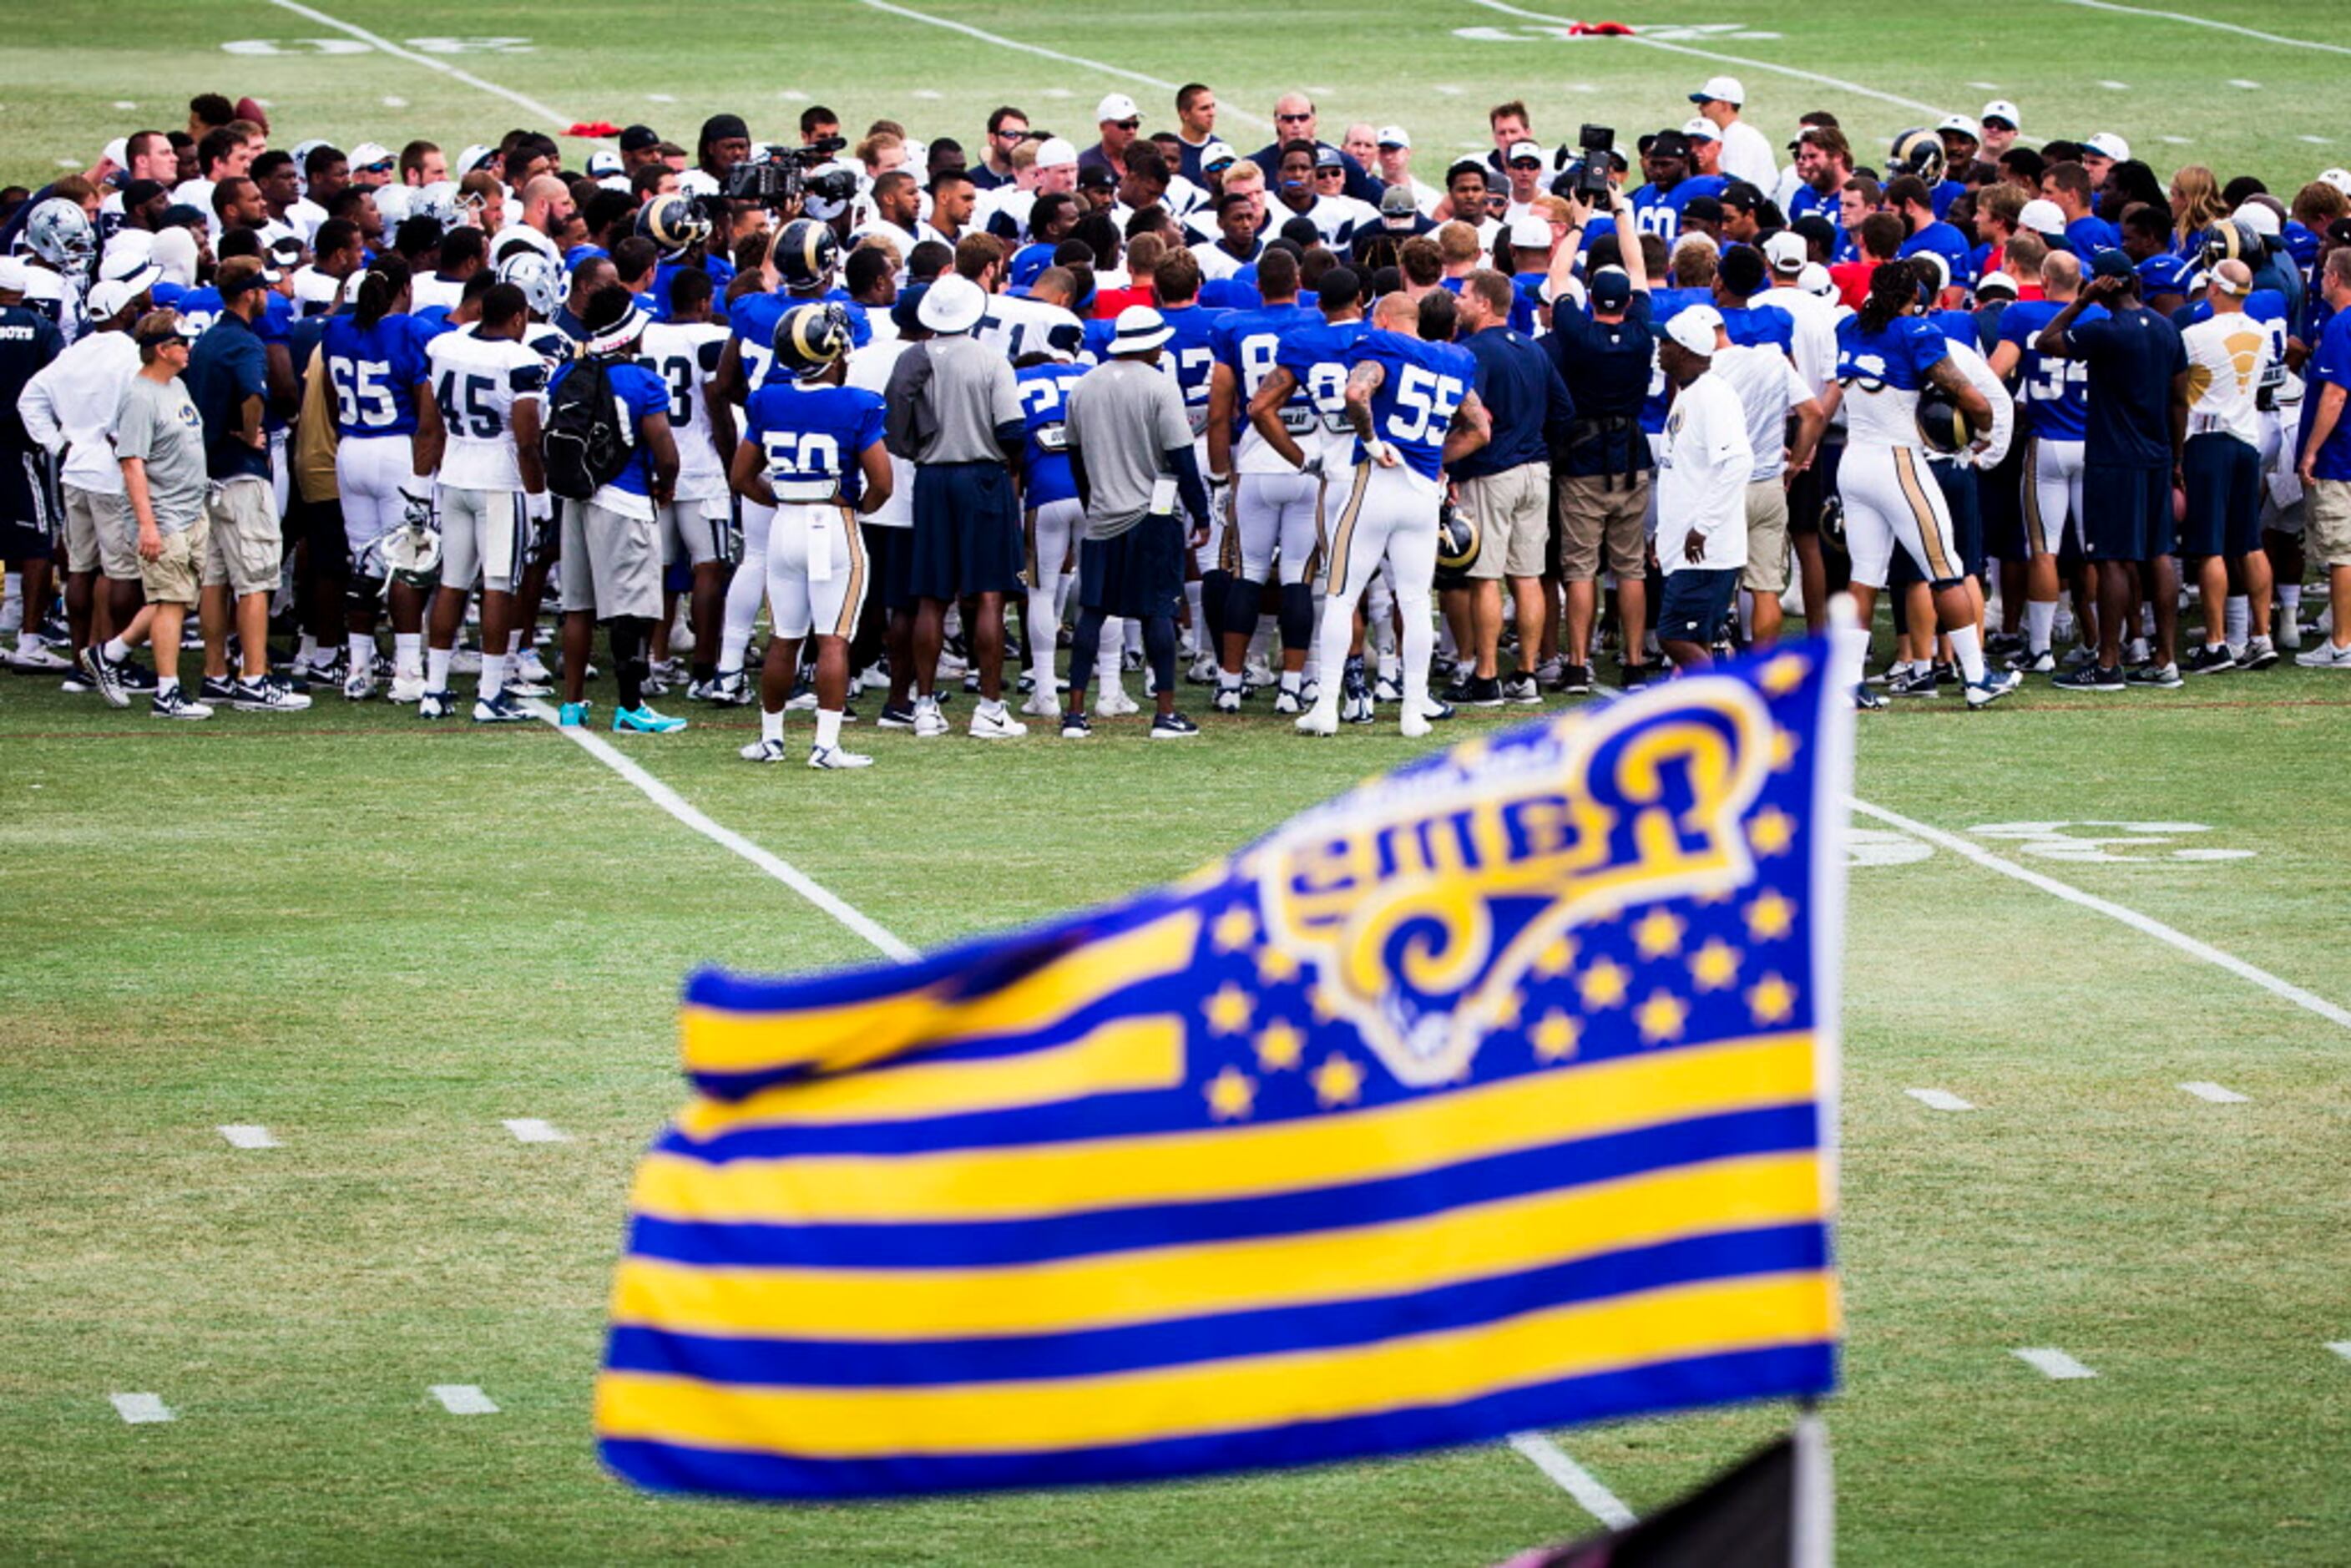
column 802, row 454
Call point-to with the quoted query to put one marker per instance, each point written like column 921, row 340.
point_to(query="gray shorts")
column 484, row 534
column 99, row 535
column 612, row 563
column 699, row 532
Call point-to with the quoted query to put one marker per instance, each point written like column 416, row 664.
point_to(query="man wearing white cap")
column 1395, row 169
column 370, row 165
column 2100, row 153
column 954, row 412
column 1999, row 121
column 1119, row 120
column 1130, row 445
column 1746, row 151
column 1705, row 144
column 1702, row 476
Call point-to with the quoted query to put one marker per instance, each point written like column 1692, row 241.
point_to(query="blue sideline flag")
column 1496, row 1094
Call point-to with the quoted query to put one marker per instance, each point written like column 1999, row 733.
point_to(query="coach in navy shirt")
column 2138, row 370
column 1506, row 484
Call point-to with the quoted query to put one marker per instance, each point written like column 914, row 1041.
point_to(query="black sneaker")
column 2207, row 660
column 1633, row 677
column 2164, row 677
column 2004, row 645
column 135, row 677
column 217, row 689
column 896, row 717
column 1477, row 691
column 1914, row 684
column 1866, row 701
column 1521, row 688
column 1075, row 726
column 1574, row 680
column 2090, row 677
column 1172, row 726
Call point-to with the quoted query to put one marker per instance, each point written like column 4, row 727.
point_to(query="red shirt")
column 1852, row 280
column 1109, row 302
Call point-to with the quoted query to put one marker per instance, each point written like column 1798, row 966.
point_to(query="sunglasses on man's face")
column 1293, row 119
column 1128, row 124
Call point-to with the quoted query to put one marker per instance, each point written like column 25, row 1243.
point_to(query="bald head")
column 1396, row 313
column 2061, row 275
column 1293, row 116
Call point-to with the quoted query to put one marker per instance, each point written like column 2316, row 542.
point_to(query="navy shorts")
column 966, row 535
column 1962, row 490
column 889, row 558
column 2000, row 493
column 2126, row 512
column 1808, row 489
column 1697, row 602
column 31, row 507
column 1138, row 575
column 2224, row 496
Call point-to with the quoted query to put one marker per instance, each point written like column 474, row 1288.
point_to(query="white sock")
column 771, row 725
column 436, row 668
column 362, row 654
column 166, row 685
column 1107, row 672
column 1199, row 616
column 2039, row 619
column 1292, row 680
column 306, row 650
column 1967, row 645
column 828, row 727
column 513, row 643
column 2236, row 619
column 1419, row 643
column 407, row 649
column 2290, row 596
column 493, row 674
column 117, row 650
column 1227, row 682
column 1391, row 666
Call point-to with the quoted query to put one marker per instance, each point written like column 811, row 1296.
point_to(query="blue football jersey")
column 1424, row 386
column 1942, row 239
column 813, row 436
column 1883, row 374
column 1660, row 213
column 1752, row 328
column 1318, row 358
column 1044, row 404
column 753, row 319
column 2056, row 392
column 1249, row 342
column 1665, row 304
column 374, row 372
column 1190, row 357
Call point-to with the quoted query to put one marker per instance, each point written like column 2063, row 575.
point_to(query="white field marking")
column 2341, row 1347
column 2248, row 86
column 2215, row 1094
column 1572, row 1479
column 462, row 1399
column 2307, row 1000
column 661, row 98
column 1000, row 41
column 1320, row 91
column 395, row 103
column 140, row 1409
column 1838, row 82
column 2054, row 1364
column 2176, row 140
column 792, row 95
column 1057, row 92
column 1882, row 846
column 70, row 164
column 1939, row 1099
column 402, row 52
column 244, row 1136
column 2187, row 20
column 1447, row 88
column 923, row 92
column 2116, row 85
column 531, row 1130
column 2315, row 141
column 669, row 801
column 124, row 103
column 1985, row 86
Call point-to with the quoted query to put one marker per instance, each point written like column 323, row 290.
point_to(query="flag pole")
column 1811, row 1534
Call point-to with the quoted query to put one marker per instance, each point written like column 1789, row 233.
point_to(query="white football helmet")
column 540, row 280
column 59, row 232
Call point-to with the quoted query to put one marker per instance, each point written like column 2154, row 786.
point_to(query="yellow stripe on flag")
column 1240, row 1393
column 1421, row 1134
column 1481, row 1241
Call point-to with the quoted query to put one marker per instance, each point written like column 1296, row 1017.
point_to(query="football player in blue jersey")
column 1190, row 357
column 1275, row 509
column 812, row 451
column 1413, row 401
column 1054, row 517
column 2053, row 394
column 1658, row 205
column 1910, row 198
column 2069, row 185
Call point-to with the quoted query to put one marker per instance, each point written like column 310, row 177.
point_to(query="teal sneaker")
column 645, row 721
column 574, row 716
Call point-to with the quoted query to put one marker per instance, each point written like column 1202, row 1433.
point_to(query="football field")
column 328, row 1040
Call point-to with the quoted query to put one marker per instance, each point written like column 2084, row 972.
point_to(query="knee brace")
column 363, row 593
column 1296, row 615
column 1242, row 597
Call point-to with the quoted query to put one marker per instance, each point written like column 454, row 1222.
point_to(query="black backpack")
column 589, row 438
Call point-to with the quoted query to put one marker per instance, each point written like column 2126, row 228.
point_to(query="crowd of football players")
column 1461, row 428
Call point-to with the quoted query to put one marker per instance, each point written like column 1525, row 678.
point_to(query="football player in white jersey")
column 699, row 525
column 487, row 387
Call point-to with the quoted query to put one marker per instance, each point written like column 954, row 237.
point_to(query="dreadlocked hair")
column 385, row 281
column 1893, row 290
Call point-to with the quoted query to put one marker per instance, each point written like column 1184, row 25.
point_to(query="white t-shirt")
column 1813, row 343
column 430, row 288
column 869, row 370
column 478, row 382
column 684, row 354
column 1747, row 156
column 1978, row 370
column 1768, row 387
column 2226, row 357
column 1702, row 469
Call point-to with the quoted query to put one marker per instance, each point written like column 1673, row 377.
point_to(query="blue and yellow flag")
column 1495, row 1094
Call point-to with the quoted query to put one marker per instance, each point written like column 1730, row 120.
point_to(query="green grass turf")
column 379, row 939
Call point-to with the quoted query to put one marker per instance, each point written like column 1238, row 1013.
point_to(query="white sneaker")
column 466, row 662
column 34, row 655
column 1115, row 703
column 801, row 702
column 530, row 668
column 1388, row 689
column 834, row 757
column 407, row 687
column 1412, row 725
column 1319, row 720
column 1289, row 702
column 950, row 667
column 359, row 685
column 2325, row 656
column 989, row 721
column 1203, row 671
column 2288, row 630
column 1257, row 675
column 929, row 722
column 1042, row 704
column 763, row 751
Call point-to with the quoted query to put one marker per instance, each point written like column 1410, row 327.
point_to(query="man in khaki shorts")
column 228, row 380
column 1506, row 487
column 160, row 441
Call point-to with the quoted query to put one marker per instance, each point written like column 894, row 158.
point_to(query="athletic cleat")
column 929, row 722
column 466, row 662
column 2004, row 645
column 1257, row 675
column 176, row 705
column 1521, row 688
column 1412, row 725
column 1355, row 702
column 1115, row 703
column 216, row 689
column 1322, row 719
column 2044, row 662
column 2260, row 654
column 359, row 685
column 834, row 757
column 407, row 688
column 1228, row 699
column 643, row 720
column 896, row 717
column 2288, row 629
column 951, row 664
column 435, row 704
column 1436, row 712
column 765, row 751
column 2164, row 677
column 732, row 690
column 1075, row 726
column 2090, row 677
column 1991, row 688
column 2207, row 660
column 268, row 695
column 990, row 721
column 1130, row 661
column 1310, row 691
column 801, row 701
column 1633, row 677
column 105, row 677
column 572, row 715
column 2137, row 652
column 1172, row 726
column 1203, row 671
column 1287, row 702
column 528, row 666
column 1477, row 691
column 499, row 709
column 1388, row 690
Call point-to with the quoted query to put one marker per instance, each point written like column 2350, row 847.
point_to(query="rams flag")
column 1495, row 1094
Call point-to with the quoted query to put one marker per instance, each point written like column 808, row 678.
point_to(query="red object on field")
column 1600, row 31
column 594, row 128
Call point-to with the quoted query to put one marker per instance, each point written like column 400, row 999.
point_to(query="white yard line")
column 2054, row 1364
column 2215, row 1094
column 462, row 1399
column 531, row 1130
column 244, row 1136
column 1939, row 1099
column 1578, row 1482
column 669, row 801
column 2307, row 1000
column 2186, row 20
column 1224, row 110
column 1752, row 64
column 140, row 1409
column 453, row 73
column 2341, row 1347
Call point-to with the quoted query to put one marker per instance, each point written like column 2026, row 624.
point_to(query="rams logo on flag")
column 1423, row 900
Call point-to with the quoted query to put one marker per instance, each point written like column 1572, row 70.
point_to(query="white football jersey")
column 477, row 381
column 685, row 356
column 1015, row 326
